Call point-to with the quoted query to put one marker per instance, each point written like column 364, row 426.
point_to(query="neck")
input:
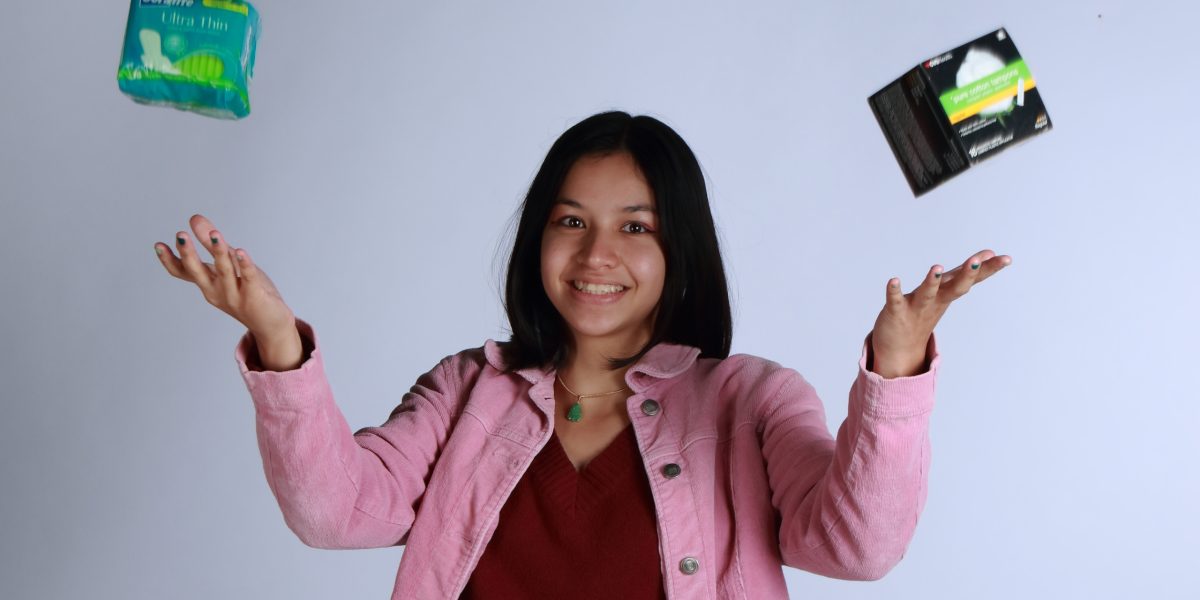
column 587, row 370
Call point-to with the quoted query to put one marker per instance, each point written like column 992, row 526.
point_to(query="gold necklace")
column 575, row 413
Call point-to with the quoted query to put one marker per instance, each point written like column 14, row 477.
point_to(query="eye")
column 567, row 220
column 640, row 227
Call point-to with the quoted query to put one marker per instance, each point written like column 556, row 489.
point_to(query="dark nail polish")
column 975, row 266
column 214, row 240
column 937, row 275
column 180, row 240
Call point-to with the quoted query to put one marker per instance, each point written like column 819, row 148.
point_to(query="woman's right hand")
column 237, row 287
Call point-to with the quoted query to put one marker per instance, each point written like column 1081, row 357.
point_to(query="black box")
column 958, row 108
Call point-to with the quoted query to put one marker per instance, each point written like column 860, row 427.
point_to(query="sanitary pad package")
column 195, row 55
column 959, row 108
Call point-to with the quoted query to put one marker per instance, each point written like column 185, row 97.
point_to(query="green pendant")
column 575, row 413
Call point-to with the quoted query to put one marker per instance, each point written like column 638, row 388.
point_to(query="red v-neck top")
column 579, row 535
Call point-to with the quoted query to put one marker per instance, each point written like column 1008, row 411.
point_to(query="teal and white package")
column 195, row 55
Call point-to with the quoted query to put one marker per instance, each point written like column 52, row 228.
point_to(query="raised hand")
column 902, row 331
column 232, row 282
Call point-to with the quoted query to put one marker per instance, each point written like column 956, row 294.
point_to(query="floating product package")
column 956, row 109
column 195, row 55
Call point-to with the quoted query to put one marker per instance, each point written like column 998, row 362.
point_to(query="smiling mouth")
column 598, row 289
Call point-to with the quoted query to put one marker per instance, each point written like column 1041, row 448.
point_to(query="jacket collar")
column 664, row 361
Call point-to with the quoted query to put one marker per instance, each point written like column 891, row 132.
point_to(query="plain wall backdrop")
column 390, row 144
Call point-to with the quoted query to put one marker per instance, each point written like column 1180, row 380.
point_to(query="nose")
column 599, row 251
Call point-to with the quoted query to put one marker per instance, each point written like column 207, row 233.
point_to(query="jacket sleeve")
column 848, row 508
column 337, row 489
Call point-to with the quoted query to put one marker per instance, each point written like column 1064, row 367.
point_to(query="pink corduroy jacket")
column 744, row 472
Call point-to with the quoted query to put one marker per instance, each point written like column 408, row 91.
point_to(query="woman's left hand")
column 902, row 331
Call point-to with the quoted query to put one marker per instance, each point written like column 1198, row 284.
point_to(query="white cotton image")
column 977, row 64
column 152, row 54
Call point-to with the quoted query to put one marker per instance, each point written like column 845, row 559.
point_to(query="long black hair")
column 694, row 307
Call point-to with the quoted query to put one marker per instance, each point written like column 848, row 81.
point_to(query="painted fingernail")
column 180, row 240
column 974, row 266
column 239, row 256
column 214, row 240
column 158, row 250
column 938, row 274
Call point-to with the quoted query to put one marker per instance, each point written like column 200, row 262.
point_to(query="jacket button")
column 649, row 408
column 689, row 565
column 671, row 470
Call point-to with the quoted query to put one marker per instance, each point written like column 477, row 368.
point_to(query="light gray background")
column 390, row 143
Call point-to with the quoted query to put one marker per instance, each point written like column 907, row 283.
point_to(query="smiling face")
column 602, row 236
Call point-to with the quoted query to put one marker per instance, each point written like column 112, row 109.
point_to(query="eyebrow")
column 629, row 209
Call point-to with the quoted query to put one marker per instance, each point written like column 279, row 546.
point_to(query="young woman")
column 612, row 448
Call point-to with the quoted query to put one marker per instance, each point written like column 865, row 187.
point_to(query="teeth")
column 592, row 288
